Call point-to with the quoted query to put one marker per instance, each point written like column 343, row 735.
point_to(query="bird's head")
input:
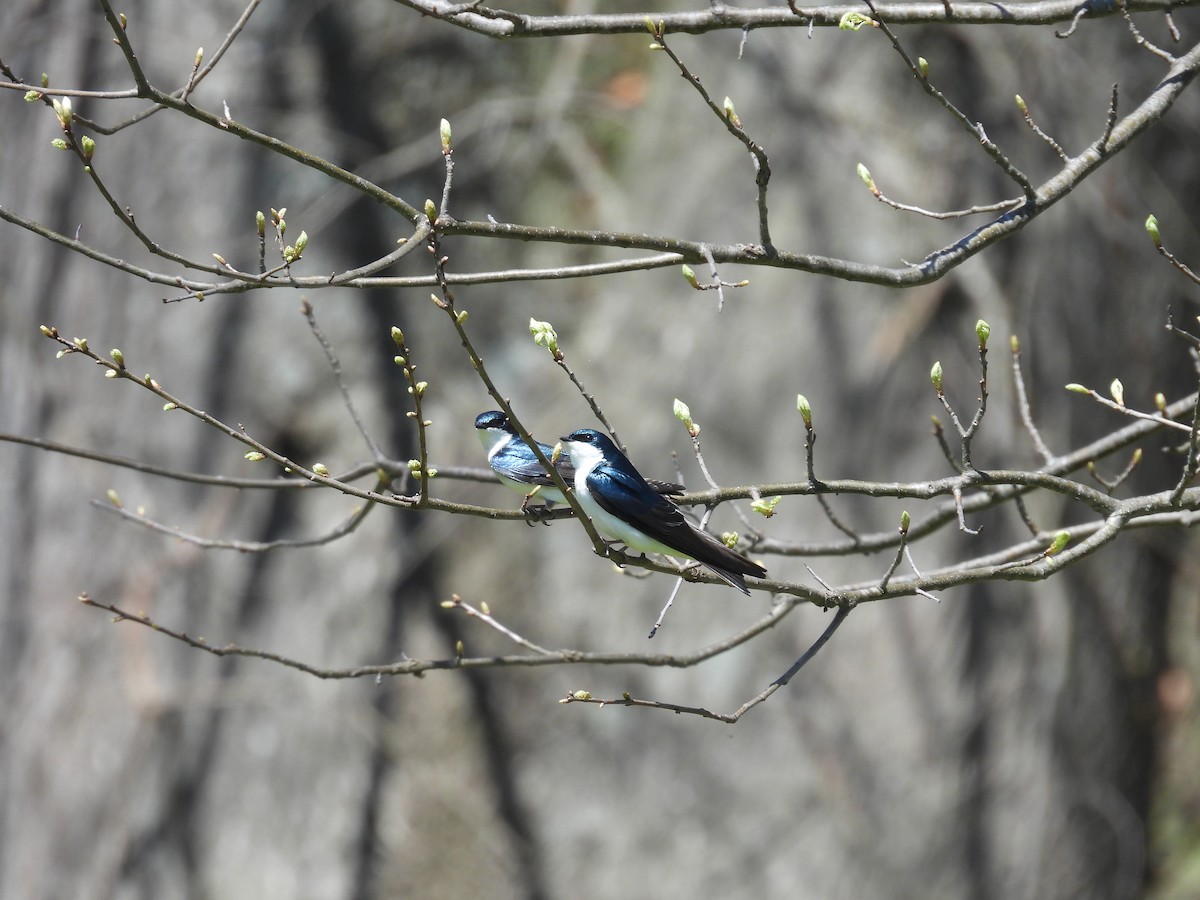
column 587, row 445
column 493, row 418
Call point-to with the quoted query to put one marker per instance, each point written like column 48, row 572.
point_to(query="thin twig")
column 1023, row 406
column 335, row 366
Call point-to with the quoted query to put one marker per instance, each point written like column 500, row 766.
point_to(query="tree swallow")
column 518, row 468
column 622, row 505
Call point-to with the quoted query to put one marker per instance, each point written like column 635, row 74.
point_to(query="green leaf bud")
column 544, row 335
column 321, row 469
column 923, row 66
column 865, row 174
column 63, row 111
column 397, row 336
column 982, row 331
column 1014, row 344
column 1021, row 105
column 731, row 113
column 33, row 96
column 1078, row 388
column 853, row 21
column 117, row 356
column 301, row 243
column 114, row 498
column 167, row 407
column 59, row 144
column 1118, row 391
column 255, row 456
column 765, row 508
column 444, row 133
column 1160, row 402
column 260, row 223
column 430, row 211
column 690, row 276
column 905, row 521
column 1060, row 542
column 805, row 410
column 935, row 376
column 1152, row 230
column 729, row 539
column 684, row 415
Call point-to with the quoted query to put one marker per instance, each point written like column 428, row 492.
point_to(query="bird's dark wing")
column 667, row 488
column 627, row 495
column 523, row 466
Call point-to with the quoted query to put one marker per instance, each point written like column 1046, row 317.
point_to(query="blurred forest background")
column 1011, row 741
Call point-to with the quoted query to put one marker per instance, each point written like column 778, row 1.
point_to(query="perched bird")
column 518, row 468
column 622, row 505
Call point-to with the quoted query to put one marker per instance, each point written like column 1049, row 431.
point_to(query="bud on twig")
column 1060, row 542
column 444, row 133
column 853, row 21
column 865, row 174
column 320, row 469
column 62, row 109
column 1152, row 230
column 1118, row 391
column 765, row 508
column 805, row 410
column 690, row 276
column 731, row 113
column 87, row 147
column 684, row 415
column 935, row 377
column 982, row 331
column 544, row 335
column 1078, row 388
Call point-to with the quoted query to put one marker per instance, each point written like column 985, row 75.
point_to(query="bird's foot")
column 535, row 514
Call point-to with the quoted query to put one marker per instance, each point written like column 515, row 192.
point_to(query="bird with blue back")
column 624, row 506
column 517, row 467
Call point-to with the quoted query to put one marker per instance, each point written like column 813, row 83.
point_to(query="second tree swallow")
column 622, row 505
column 518, row 468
